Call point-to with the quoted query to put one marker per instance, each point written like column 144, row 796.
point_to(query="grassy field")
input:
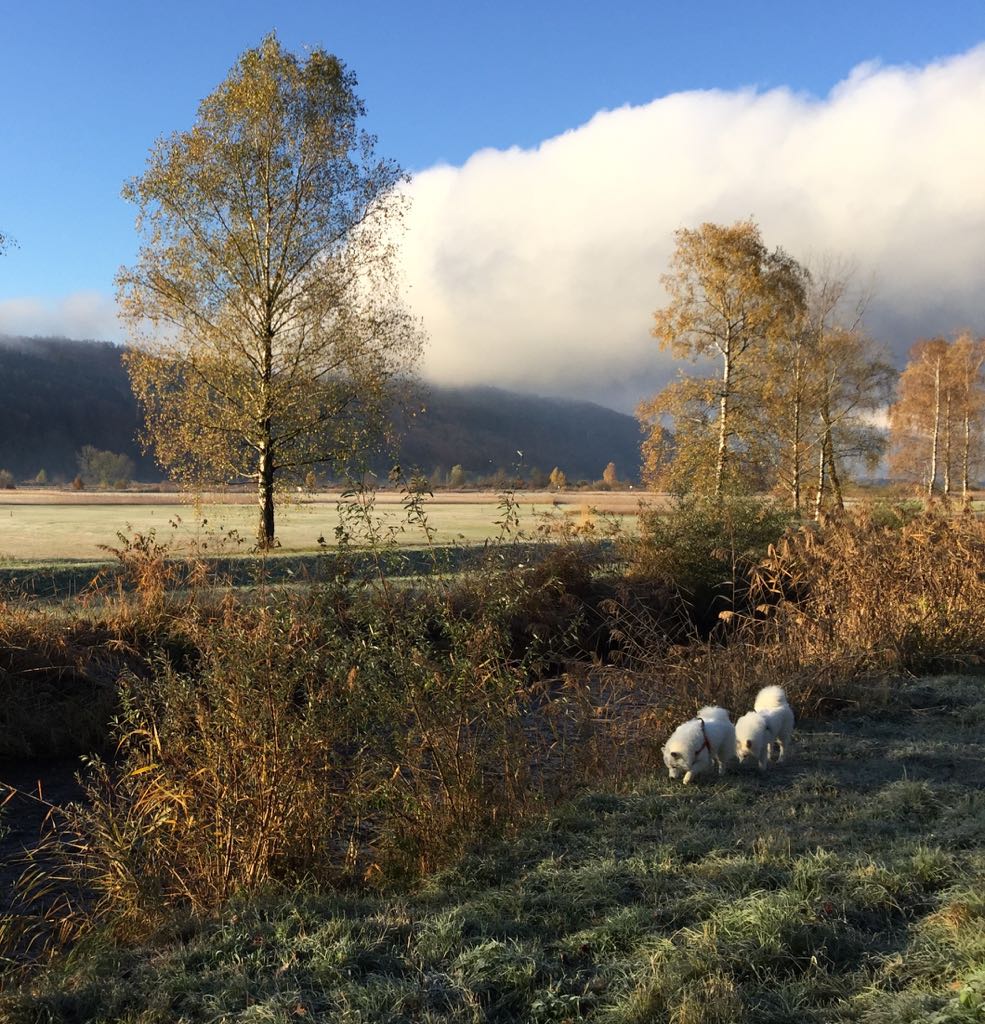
column 52, row 526
column 846, row 886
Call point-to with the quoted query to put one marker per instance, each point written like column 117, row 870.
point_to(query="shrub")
column 705, row 550
column 558, row 480
column 104, row 468
column 225, row 776
column 57, row 683
column 7, row 480
column 360, row 731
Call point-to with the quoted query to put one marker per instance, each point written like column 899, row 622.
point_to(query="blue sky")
column 85, row 88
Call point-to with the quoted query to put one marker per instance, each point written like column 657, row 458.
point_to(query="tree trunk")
column 797, row 404
column 723, row 416
column 819, row 497
column 265, row 467
column 932, row 482
column 947, row 445
column 965, row 459
column 265, row 500
column 833, row 469
column 828, row 449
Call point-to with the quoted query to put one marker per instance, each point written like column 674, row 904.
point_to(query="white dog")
column 752, row 738
column 768, row 726
column 697, row 743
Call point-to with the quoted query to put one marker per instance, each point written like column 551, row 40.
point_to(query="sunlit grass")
column 47, row 534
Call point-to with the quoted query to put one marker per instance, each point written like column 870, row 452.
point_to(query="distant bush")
column 7, row 482
column 57, row 683
column 103, row 468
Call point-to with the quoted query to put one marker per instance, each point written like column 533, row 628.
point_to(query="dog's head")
column 677, row 763
column 685, row 748
column 745, row 749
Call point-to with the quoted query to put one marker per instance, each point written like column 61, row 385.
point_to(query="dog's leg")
column 764, row 757
column 688, row 777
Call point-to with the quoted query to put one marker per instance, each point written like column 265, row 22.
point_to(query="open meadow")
column 50, row 526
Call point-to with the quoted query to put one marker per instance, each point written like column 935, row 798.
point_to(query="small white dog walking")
column 768, row 725
column 695, row 745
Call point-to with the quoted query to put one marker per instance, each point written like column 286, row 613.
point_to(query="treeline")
column 57, row 397
column 801, row 388
column 495, row 435
column 535, row 479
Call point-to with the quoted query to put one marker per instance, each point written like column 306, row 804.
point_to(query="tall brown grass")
column 832, row 612
column 891, row 593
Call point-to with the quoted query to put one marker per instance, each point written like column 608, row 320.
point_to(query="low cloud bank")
column 539, row 269
column 79, row 315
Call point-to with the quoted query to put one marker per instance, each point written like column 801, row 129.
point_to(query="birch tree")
column 967, row 360
column 917, row 417
column 821, row 385
column 267, row 335
column 855, row 378
column 729, row 297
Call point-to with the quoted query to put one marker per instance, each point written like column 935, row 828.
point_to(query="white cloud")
column 79, row 315
column 539, row 269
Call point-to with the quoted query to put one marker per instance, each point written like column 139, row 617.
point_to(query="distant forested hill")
column 57, row 395
column 483, row 428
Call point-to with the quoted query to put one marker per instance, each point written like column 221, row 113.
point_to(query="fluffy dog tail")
column 769, row 698
column 713, row 712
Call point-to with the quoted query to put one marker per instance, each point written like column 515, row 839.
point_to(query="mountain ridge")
column 58, row 394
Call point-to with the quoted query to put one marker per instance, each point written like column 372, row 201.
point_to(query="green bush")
column 106, row 469
column 705, row 549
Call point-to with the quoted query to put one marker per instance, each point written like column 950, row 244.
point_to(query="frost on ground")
column 845, row 885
